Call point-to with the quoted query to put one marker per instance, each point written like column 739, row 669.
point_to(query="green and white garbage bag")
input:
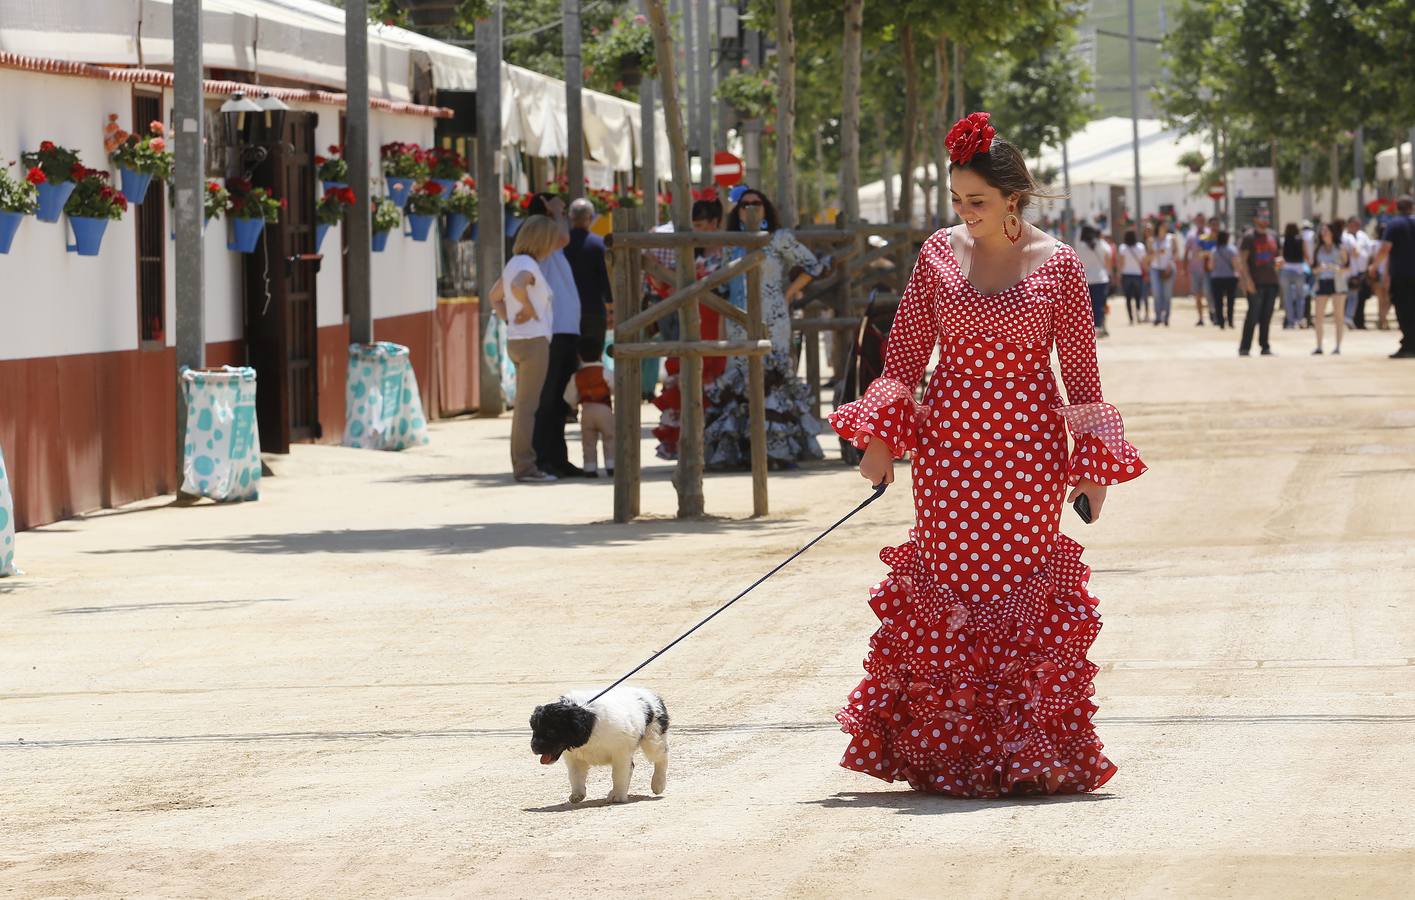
column 383, row 409
column 493, row 348
column 7, row 523
column 221, row 454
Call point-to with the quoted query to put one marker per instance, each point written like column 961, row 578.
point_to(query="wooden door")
column 281, row 324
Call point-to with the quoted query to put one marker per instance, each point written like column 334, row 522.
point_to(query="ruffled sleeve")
column 1101, row 453
column 888, row 410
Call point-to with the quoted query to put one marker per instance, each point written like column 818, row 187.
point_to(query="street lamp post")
column 188, row 90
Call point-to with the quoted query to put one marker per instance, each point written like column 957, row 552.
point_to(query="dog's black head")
column 559, row 726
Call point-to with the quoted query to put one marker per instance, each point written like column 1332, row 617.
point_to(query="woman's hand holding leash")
column 1094, row 495
column 877, row 463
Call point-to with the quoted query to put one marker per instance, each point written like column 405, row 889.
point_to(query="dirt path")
column 325, row 693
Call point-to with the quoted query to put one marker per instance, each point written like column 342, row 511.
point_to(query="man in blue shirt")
column 1398, row 244
column 548, row 438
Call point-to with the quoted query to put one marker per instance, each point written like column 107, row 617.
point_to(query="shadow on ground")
column 651, row 473
column 479, row 537
column 919, row 803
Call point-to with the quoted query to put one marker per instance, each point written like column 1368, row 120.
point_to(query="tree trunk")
column 958, row 99
column 884, row 167
column 786, row 114
column 850, row 118
column 1277, row 189
column 941, row 125
column 820, row 172
column 1335, row 163
column 688, row 479
column 911, row 119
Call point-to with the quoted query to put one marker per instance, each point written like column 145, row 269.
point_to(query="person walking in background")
column 1329, row 265
column 1309, row 249
column 1196, row 250
column 549, row 436
column 1397, row 251
column 590, row 393
column 1095, row 256
column 1257, row 256
column 529, row 318
column 1162, row 266
column 1223, row 279
column 585, row 253
column 1359, row 247
column 1132, row 276
column 1293, row 277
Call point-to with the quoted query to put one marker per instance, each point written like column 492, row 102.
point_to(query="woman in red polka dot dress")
column 977, row 680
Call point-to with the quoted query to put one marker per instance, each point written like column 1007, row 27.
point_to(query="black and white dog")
column 603, row 733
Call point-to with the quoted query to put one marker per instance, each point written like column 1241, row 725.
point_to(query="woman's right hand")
column 877, row 465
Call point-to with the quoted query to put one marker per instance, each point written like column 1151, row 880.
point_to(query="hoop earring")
column 1011, row 221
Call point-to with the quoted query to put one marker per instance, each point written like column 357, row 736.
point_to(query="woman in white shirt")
column 1161, row 263
column 523, row 287
column 1132, row 275
column 1094, row 254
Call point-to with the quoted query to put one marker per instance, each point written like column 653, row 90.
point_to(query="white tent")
column 1386, row 162
column 302, row 41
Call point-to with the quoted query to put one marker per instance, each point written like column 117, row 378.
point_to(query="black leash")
column 879, row 490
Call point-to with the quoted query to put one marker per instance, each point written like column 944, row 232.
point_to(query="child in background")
column 591, row 393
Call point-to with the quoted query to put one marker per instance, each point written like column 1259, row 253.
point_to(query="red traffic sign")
column 726, row 169
column 1216, row 192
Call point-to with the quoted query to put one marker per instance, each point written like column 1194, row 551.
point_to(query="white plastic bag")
column 493, row 347
column 221, row 454
column 7, row 524
column 383, row 409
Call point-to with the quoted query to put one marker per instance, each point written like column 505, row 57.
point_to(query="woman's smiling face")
column 981, row 206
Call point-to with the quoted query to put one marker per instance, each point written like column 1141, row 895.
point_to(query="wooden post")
column 756, row 386
column 786, row 115
column 850, row 117
column 812, row 340
column 689, row 478
column 626, row 380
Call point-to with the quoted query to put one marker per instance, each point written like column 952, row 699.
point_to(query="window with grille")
column 151, row 218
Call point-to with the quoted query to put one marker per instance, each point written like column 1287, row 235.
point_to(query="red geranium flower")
column 212, row 187
column 158, row 145
column 121, row 201
column 284, row 203
column 968, row 137
column 35, row 175
column 334, row 150
column 319, row 160
column 346, row 195
column 431, row 188
column 46, row 146
column 76, row 171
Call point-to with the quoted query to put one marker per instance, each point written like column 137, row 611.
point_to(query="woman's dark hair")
column 1291, row 231
column 1130, row 237
column 1089, row 235
column 1223, row 237
column 1003, row 167
column 707, row 210
column 540, row 203
column 734, row 218
column 1334, row 228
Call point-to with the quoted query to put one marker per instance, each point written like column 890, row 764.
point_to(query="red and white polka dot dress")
column 977, row 680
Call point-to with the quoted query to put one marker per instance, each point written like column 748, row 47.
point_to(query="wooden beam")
column 689, row 349
column 695, row 291
column 626, row 384
column 756, row 378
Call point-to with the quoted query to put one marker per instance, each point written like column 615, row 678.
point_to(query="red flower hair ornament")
column 968, row 137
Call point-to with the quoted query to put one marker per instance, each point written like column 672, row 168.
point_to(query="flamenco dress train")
column 977, row 682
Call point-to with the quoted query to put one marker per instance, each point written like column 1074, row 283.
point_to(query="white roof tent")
column 301, row 43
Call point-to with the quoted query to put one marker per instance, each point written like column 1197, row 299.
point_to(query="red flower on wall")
column 35, row 175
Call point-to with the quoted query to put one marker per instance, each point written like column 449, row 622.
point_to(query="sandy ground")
column 325, row 693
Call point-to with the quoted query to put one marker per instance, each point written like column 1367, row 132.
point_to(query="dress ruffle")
column 887, row 411
column 790, row 428
column 980, row 697
column 1101, row 453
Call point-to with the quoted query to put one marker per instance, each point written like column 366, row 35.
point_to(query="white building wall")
column 53, row 302
column 404, row 277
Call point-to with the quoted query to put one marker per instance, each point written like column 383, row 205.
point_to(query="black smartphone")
column 1083, row 508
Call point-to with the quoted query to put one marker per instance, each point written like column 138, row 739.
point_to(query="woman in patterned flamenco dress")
column 977, row 679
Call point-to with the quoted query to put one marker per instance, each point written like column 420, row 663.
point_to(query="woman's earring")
column 1009, row 222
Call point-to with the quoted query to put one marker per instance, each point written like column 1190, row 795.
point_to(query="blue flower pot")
column 456, row 226
column 320, row 230
column 247, row 235
column 473, row 235
column 399, row 189
column 380, row 241
column 9, row 224
column 334, row 185
column 447, row 184
column 88, row 235
column 134, row 184
column 420, row 225
column 52, row 198
column 513, row 224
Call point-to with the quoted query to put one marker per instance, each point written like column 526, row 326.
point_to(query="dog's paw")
column 577, row 797
column 660, row 781
column 615, row 797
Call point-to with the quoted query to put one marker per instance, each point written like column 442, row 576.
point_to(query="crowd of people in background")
column 1311, row 268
